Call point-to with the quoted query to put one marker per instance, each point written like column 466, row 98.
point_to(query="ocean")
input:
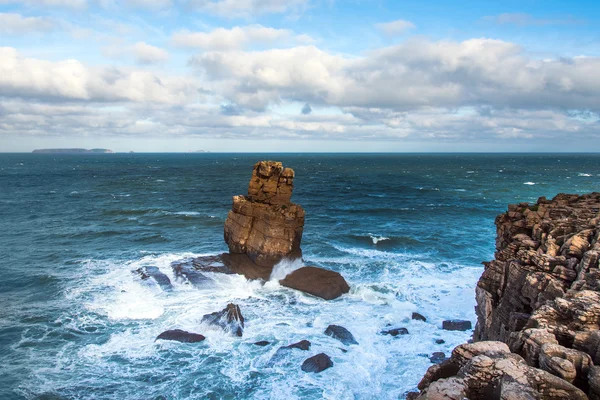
column 407, row 231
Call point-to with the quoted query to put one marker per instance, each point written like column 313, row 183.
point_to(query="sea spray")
column 285, row 267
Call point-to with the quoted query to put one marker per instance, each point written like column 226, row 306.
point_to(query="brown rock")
column 317, row 281
column 541, row 297
column 265, row 225
column 229, row 319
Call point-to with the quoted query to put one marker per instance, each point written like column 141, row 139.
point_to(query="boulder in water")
column 262, row 343
column 186, row 271
column 437, row 357
column 302, row 345
column 456, row 325
column 151, row 272
column 418, row 317
column 317, row 363
column 319, row 282
column 340, row 333
column 395, row 331
column 230, row 319
column 181, row 336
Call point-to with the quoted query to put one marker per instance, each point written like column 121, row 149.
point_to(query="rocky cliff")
column 538, row 310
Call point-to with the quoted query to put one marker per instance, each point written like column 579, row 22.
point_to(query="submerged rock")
column 181, row 336
column 302, row 345
column 340, row 333
column 456, row 325
column 317, row 363
column 150, row 272
column 395, row 331
column 262, row 343
column 185, row 270
column 317, row 281
column 229, row 319
column 418, row 317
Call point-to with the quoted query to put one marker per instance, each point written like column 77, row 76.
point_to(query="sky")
column 300, row 75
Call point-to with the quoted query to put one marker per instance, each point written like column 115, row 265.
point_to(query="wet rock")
column 437, row 357
column 229, row 319
column 395, row 331
column 302, row 345
column 412, row 395
column 317, row 281
column 340, row 333
column 440, row 341
column 477, row 371
column 265, row 225
column 185, row 271
column 153, row 273
column 418, row 317
column 181, row 336
column 214, row 263
column 317, row 363
column 262, row 343
column 456, row 325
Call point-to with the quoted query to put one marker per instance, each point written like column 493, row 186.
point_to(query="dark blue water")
column 407, row 231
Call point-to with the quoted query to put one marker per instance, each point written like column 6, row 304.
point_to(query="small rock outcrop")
column 395, row 331
column 456, row 325
column 265, row 225
column 153, row 273
column 229, row 319
column 538, row 309
column 319, row 282
column 340, row 333
column 318, row 363
column 181, row 336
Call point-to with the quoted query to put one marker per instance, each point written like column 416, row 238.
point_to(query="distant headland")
column 73, row 151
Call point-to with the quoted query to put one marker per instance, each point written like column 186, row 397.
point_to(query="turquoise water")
column 409, row 233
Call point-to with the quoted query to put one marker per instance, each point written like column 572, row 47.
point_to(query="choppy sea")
column 408, row 232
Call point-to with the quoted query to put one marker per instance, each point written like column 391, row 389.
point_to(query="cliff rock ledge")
column 538, row 310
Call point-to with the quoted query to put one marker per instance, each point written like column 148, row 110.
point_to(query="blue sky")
column 300, row 75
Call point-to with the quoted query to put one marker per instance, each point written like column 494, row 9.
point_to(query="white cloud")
column 76, row 4
column 16, row 24
column 234, row 38
column 417, row 73
column 148, row 54
column 70, row 80
column 395, row 27
column 248, row 8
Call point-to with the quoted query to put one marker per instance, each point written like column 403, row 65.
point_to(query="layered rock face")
column 265, row 225
column 540, row 297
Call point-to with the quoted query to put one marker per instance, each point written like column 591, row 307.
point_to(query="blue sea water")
column 409, row 233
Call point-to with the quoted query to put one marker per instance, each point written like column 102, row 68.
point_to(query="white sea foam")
column 377, row 239
column 583, row 174
column 285, row 267
column 529, row 183
column 381, row 366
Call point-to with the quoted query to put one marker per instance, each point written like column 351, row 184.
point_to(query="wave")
column 381, row 241
column 583, row 174
column 529, row 183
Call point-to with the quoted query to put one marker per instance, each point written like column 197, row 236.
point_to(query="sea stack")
column 538, row 309
column 265, row 226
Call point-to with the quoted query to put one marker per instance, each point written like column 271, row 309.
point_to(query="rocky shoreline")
column 538, row 303
column 538, row 310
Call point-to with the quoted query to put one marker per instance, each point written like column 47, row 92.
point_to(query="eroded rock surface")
column 319, row 282
column 539, row 302
column 230, row 319
column 265, row 225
